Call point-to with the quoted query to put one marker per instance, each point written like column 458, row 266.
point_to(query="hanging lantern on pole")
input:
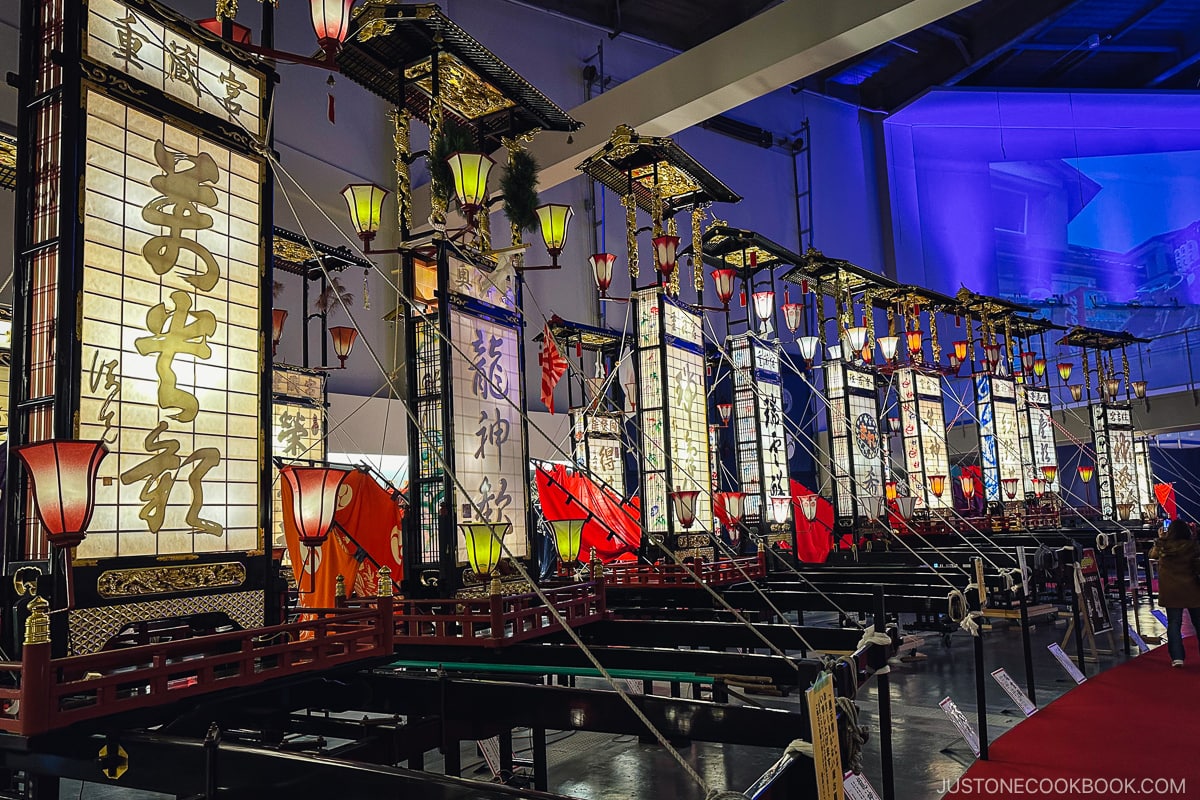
column 808, row 348
column 665, row 248
column 484, row 544
column 888, row 346
column 724, row 410
column 1027, row 359
column 734, row 504
column 63, row 477
column 1010, row 487
column 914, row 341
column 568, row 538
column 278, row 317
column 764, row 305
column 780, row 505
column 684, row 503
column 960, row 350
column 793, row 314
column 723, row 281
column 856, row 338
column 906, row 504
column 937, row 484
column 1086, row 471
column 1039, row 366
column 343, row 342
column 1139, row 389
column 1076, row 392
column 808, row 506
column 1049, row 472
column 602, row 271
column 1065, row 368
column 967, row 482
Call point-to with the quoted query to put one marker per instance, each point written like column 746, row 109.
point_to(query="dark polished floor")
column 927, row 748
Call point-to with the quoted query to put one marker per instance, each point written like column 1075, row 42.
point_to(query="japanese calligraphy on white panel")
column 170, row 336
column 175, row 64
column 489, row 450
column 495, row 287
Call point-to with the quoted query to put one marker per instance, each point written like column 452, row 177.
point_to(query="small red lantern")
column 724, row 409
column 1050, row 472
column 665, row 248
column 602, row 270
column 967, row 482
column 1010, row 487
column 685, row 506
column 1086, row 471
column 960, row 350
column 314, row 500
column 278, row 317
column 1064, row 370
column 723, row 278
column 63, row 474
column 343, row 342
column 914, row 341
column 734, row 504
column 793, row 313
column 331, row 22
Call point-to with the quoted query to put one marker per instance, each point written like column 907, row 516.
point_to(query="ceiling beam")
column 771, row 50
column 1011, row 36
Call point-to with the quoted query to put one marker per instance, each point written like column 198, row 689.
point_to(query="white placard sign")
column 1013, row 691
column 859, row 788
column 965, row 729
column 1066, row 663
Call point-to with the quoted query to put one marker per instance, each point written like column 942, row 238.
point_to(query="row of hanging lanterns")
column 343, row 337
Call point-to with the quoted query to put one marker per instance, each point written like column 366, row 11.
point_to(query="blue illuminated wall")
column 1083, row 205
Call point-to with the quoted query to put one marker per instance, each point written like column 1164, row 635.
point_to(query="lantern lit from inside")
column 343, row 341
column 1039, row 366
column 1027, row 359
column 764, row 305
column 991, row 352
column 937, row 484
column 723, row 281
column 1064, row 370
column 724, row 409
column 967, row 482
column 808, row 347
column 1039, row 486
column 834, row 352
column 1049, row 472
column 365, row 202
column 856, row 337
column 568, row 537
column 63, row 477
column 665, row 248
column 602, row 270
column 1124, row 510
column 894, row 424
column 873, row 506
column 793, row 314
column 331, row 21
column 1139, row 389
column 1112, row 386
column 780, row 503
column 471, row 172
column 1086, row 471
column 554, row 219
column 808, row 506
column 684, row 503
column 483, row 541
column 1010, row 487
column 955, row 362
column 314, row 500
column 1076, row 392
column 906, row 504
column 960, row 350
column 888, row 346
column 890, row 490
column 278, row 317
column 914, row 341
column 735, row 505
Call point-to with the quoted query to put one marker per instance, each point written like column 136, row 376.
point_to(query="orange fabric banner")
column 365, row 511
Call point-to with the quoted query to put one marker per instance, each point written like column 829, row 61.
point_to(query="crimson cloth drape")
column 614, row 529
column 1165, row 492
column 813, row 539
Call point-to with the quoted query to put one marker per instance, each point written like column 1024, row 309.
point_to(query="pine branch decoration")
column 519, row 185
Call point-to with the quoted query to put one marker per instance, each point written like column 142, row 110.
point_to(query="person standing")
column 1178, row 583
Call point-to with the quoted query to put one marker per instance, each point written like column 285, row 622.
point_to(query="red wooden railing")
column 711, row 573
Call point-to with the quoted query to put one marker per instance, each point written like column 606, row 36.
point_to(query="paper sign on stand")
column 1138, row 640
column 827, row 753
column 1013, row 691
column 965, row 729
column 859, row 788
column 1067, row 664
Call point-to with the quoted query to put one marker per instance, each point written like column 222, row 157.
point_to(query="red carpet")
column 1131, row 731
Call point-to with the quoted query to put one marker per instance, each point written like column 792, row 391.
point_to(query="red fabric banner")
column 615, row 529
column 814, row 539
column 367, row 512
column 1165, row 492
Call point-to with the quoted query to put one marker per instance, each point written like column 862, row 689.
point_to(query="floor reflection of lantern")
column 314, row 501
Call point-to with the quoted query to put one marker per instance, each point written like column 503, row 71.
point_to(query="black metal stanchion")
column 1119, row 552
column 541, row 776
column 883, row 689
column 1027, row 646
column 1076, row 613
column 980, row 677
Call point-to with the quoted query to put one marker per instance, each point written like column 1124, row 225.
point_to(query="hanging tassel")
column 804, row 286
column 743, row 297
column 366, row 291
column 332, row 112
column 579, row 349
column 786, row 298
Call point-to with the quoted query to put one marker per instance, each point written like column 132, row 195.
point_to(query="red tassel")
column 957, row 321
column 579, row 349
column 743, row 298
column 804, row 286
column 754, row 258
column 786, row 299
column 332, row 121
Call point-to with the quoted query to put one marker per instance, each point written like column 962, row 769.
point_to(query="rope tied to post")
column 856, row 734
column 1104, row 540
column 870, row 637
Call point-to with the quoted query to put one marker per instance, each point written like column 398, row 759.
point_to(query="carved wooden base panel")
column 90, row 628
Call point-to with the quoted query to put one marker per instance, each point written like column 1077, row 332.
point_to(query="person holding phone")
column 1178, row 583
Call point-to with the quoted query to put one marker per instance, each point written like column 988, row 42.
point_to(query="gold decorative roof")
column 464, row 93
column 834, row 276
column 8, row 161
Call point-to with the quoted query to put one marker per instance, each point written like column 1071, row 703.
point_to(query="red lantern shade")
column 1027, row 359
column 314, row 500
column 793, row 313
column 734, row 504
column 1010, row 487
column 1076, row 392
column 724, row 409
column 781, row 504
column 664, row 250
column 1039, row 366
column 278, row 317
column 685, row 506
column 764, row 305
column 1064, row 370
column 1050, row 472
column 602, row 270
column 1086, row 471
column 331, row 22
column 960, row 350
column 914, row 341
column 63, row 474
column 723, row 279
column 937, row 484
column 343, row 341
column 967, row 482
